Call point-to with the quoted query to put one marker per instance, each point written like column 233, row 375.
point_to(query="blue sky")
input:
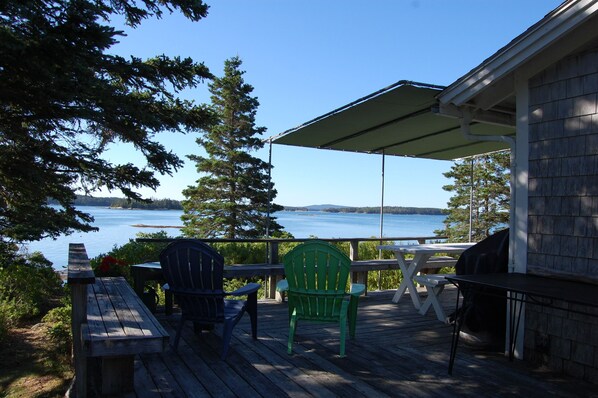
column 305, row 58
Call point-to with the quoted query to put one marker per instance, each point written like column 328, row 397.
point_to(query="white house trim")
column 521, row 50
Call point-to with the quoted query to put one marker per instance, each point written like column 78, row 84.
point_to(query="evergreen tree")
column 64, row 99
column 231, row 198
column 490, row 196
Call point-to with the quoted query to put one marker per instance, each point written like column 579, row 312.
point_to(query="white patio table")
column 421, row 254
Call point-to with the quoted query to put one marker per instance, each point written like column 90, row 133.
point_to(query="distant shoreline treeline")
column 388, row 210
column 374, row 210
column 120, row 203
column 171, row 204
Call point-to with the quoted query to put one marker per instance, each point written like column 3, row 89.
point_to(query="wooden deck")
column 396, row 352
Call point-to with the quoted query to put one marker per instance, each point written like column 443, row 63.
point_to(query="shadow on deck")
column 396, row 352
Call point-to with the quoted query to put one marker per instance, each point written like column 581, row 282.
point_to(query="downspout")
column 466, row 131
column 470, row 202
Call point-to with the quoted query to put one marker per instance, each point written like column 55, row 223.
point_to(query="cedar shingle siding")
column 563, row 207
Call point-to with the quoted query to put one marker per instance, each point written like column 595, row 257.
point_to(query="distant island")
column 369, row 209
column 121, row 203
column 171, row 204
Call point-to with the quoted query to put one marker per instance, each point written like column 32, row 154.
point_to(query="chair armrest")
column 245, row 290
column 357, row 289
column 282, row 286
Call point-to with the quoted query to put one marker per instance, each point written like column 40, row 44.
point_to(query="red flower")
column 109, row 260
column 110, row 265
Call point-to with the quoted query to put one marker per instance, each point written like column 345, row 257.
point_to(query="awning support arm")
column 466, row 120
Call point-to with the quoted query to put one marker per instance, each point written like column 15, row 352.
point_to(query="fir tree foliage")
column 491, row 196
column 231, row 197
column 65, row 100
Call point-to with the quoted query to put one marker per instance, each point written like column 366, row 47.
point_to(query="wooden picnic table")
column 423, row 255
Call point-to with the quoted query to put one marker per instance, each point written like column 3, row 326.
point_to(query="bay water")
column 118, row 226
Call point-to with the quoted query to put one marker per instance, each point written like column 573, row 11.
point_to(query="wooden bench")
column 110, row 326
column 434, row 284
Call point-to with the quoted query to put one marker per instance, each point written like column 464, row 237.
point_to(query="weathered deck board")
column 396, row 352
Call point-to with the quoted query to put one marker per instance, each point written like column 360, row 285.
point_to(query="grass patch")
column 32, row 365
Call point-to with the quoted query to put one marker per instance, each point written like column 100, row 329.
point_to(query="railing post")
column 361, row 276
column 79, row 277
column 354, row 250
column 271, row 292
column 79, row 317
column 273, row 253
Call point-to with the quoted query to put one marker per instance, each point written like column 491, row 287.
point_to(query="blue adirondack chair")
column 194, row 274
column 316, row 284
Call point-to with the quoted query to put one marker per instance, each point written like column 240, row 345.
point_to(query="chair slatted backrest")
column 317, row 273
column 194, row 272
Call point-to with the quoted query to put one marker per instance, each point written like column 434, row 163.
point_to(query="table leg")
column 406, row 271
column 515, row 302
column 138, row 275
column 168, row 301
column 515, row 308
column 432, row 300
column 456, row 330
column 409, row 271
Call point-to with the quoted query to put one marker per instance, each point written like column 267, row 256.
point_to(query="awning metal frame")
column 403, row 119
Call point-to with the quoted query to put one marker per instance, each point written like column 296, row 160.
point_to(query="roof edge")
column 538, row 37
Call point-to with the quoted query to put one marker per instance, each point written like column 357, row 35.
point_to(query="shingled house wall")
column 563, row 208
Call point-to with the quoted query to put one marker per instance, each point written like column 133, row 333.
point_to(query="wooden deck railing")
column 272, row 254
column 273, row 243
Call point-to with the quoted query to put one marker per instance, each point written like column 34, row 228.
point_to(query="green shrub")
column 28, row 286
column 7, row 317
column 27, row 290
column 135, row 252
column 242, row 252
column 284, row 248
column 58, row 321
column 230, row 285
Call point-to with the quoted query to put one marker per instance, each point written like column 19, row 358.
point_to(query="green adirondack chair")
column 316, row 285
